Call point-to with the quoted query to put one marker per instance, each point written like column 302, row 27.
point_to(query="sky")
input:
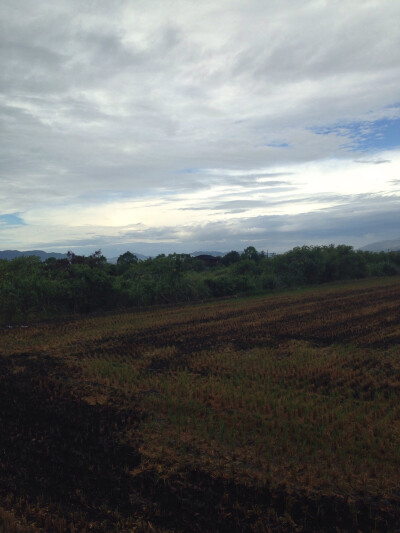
column 161, row 126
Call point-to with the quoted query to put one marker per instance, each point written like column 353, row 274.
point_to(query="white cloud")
column 103, row 105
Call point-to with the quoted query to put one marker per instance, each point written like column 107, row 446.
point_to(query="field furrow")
column 276, row 413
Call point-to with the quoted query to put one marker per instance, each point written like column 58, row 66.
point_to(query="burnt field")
column 273, row 413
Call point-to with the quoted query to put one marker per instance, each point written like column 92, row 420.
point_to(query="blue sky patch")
column 11, row 220
column 367, row 136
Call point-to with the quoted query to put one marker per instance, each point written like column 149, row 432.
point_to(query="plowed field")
column 273, row 413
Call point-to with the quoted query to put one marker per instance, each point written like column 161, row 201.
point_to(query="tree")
column 128, row 258
column 125, row 262
column 96, row 259
column 251, row 253
column 230, row 258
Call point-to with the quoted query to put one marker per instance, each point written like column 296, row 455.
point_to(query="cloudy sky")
column 178, row 125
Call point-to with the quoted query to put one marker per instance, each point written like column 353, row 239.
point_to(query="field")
column 270, row 413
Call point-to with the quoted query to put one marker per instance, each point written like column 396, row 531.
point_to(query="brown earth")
column 67, row 455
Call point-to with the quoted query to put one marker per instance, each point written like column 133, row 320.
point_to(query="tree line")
column 31, row 289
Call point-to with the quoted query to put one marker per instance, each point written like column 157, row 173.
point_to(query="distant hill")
column 382, row 246
column 215, row 254
column 12, row 254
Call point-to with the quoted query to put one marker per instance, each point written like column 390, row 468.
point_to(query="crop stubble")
column 277, row 412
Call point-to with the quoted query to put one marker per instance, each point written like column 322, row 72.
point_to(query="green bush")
column 30, row 288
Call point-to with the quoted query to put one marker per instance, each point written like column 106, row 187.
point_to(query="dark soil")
column 65, row 464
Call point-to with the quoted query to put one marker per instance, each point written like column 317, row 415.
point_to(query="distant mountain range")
column 383, row 246
column 113, row 260
column 12, row 254
column 215, row 254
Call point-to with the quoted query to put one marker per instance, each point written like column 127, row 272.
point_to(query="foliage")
column 30, row 288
